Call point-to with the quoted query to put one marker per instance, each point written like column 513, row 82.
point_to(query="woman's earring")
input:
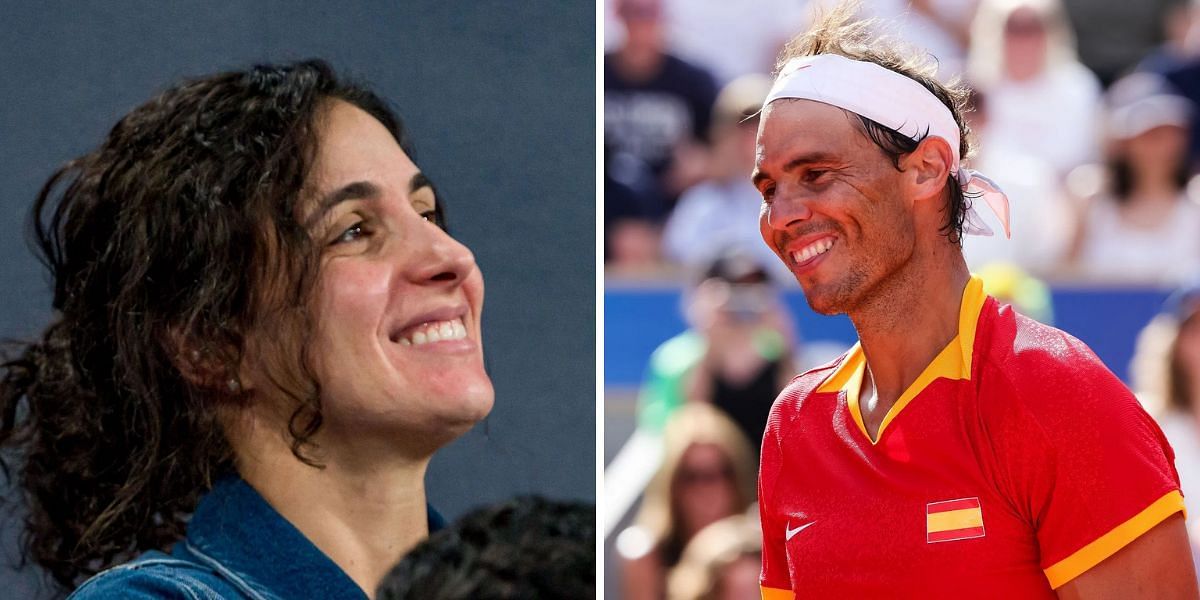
column 234, row 385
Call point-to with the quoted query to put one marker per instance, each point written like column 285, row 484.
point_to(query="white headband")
column 894, row 101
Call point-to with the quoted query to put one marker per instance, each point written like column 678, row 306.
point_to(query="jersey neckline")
column 953, row 362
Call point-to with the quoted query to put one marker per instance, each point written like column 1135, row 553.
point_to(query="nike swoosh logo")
column 790, row 533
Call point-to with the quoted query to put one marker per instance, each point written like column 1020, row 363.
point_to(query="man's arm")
column 1158, row 564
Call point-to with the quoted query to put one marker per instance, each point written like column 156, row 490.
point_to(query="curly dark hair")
column 528, row 547
column 166, row 245
column 837, row 31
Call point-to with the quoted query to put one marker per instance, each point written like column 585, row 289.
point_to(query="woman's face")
column 1188, row 344
column 739, row 579
column 396, row 346
column 704, row 487
column 1161, row 149
column 1025, row 44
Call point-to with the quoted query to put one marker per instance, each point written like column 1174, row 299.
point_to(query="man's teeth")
column 435, row 331
column 813, row 249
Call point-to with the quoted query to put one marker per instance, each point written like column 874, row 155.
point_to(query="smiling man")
column 959, row 449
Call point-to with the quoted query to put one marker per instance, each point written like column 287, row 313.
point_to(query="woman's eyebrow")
column 419, row 181
column 359, row 190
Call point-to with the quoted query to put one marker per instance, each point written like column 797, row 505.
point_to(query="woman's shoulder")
column 157, row 576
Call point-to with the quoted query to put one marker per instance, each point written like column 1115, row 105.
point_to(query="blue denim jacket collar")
column 238, row 534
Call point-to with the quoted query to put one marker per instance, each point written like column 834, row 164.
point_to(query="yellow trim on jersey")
column 954, row 519
column 1108, row 544
column 769, row 593
column 953, row 362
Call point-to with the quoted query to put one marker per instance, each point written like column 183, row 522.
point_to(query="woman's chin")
column 469, row 410
column 459, row 409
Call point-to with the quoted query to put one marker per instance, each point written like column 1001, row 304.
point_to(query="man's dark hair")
column 167, row 245
column 525, row 548
column 839, row 32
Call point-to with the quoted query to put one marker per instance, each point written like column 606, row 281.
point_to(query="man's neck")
column 364, row 516
column 909, row 319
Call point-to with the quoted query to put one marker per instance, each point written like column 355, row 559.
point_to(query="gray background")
column 499, row 98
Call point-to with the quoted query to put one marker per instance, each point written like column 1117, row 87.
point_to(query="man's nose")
column 786, row 209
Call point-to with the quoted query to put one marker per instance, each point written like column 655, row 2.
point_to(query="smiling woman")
column 263, row 333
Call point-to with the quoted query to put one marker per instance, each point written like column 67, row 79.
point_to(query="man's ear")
column 927, row 167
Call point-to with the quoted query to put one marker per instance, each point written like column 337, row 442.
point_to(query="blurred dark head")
column 734, row 285
column 734, row 265
column 525, row 548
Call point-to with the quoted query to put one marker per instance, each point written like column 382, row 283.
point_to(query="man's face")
column 831, row 208
column 642, row 20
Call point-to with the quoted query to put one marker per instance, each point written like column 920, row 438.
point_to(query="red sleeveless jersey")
column 1015, row 462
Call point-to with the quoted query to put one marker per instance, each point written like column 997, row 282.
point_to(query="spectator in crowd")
column 525, row 548
column 707, row 474
column 941, row 27
column 1166, row 378
column 722, row 211
column 1179, row 26
column 1113, row 36
column 749, row 347
column 736, row 355
column 1023, row 59
column 656, row 109
column 1144, row 226
column 731, row 39
column 1037, row 203
column 631, row 235
column 1179, row 62
column 722, row 562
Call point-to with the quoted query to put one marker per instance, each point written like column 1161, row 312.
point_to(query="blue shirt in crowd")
column 237, row 547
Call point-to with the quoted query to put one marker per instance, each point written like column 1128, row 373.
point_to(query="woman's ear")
column 210, row 366
column 928, row 167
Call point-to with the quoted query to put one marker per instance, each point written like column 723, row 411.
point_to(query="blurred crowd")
column 1083, row 112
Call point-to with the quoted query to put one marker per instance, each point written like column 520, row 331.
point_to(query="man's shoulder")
column 803, row 385
column 1045, row 373
column 155, row 576
column 1027, row 352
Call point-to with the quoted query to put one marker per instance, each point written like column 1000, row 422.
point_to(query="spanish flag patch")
column 951, row 520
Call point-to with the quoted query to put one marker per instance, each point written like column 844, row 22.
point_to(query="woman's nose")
column 442, row 259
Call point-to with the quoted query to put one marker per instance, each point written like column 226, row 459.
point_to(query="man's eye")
column 352, row 233
column 768, row 193
column 813, row 174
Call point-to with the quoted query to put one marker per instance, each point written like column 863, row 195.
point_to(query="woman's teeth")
column 435, row 331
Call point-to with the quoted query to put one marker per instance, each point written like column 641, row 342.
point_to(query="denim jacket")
column 237, row 546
